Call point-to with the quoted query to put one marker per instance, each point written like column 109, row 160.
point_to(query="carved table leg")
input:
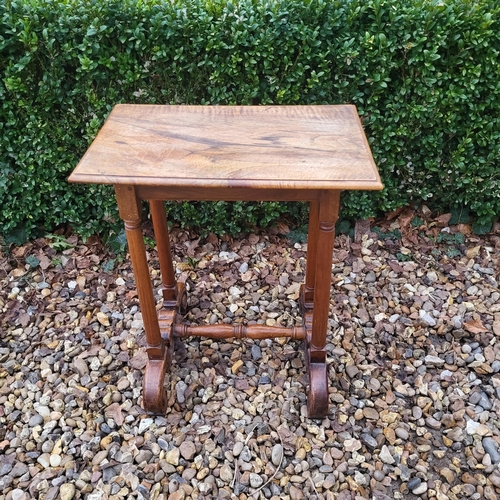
column 316, row 302
column 154, row 395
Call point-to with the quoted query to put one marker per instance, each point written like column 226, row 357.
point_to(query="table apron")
column 225, row 194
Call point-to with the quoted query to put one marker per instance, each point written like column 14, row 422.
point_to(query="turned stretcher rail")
column 239, row 331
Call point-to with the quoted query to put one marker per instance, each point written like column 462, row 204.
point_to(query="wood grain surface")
column 259, row 147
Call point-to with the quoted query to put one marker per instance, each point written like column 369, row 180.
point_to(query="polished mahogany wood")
column 248, row 153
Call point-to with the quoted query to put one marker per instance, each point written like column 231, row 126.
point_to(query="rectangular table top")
column 220, row 147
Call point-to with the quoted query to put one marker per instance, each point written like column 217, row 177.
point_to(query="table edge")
column 172, row 183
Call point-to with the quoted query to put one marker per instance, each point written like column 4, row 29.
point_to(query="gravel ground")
column 414, row 368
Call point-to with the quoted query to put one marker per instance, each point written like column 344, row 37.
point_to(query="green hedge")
column 424, row 75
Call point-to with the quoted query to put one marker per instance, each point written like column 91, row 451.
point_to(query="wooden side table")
column 248, row 153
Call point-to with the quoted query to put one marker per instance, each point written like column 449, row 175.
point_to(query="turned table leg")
column 154, row 395
column 312, row 252
column 321, row 236
column 174, row 294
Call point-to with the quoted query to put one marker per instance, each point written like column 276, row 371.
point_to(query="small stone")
column 177, row 495
column 477, row 428
column 351, row 445
column 369, row 440
column 448, row 475
column 433, row 423
column 55, row 460
column 416, row 412
column 18, row 494
column 386, row 456
column 296, row 493
column 67, row 491
column 226, row 474
column 434, row 360
column 370, row 277
column 427, row 319
column 103, row 318
column 277, row 454
column 144, row 425
column 491, row 447
column 352, row 370
column 172, row 456
column 19, row 470
column 44, row 460
column 35, row 420
column 370, row 413
column 414, row 483
column 255, row 480
column 420, row 490
column 238, row 448
column 256, row 352
column 360, row 478
column 402, row 433
column 187, row 450
column 237, row 366
column 180, row 389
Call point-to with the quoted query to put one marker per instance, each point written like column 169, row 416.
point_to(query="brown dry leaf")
column 45, row 262
column 82, row 262
column 139, row 360
column 93, row 350
column 17, row 273
column 253, row 239
column 24, row 319
column 405, row 219
column 443, row 220
column 360, row 228
column 114, row 411
column 473, row 252
column 475, row 326
column 191, row 246
column 465, row 229
column 211, row 238
column 19, row 252
column 184, row 266
column 393, row 215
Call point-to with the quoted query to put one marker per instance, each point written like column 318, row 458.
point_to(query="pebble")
column 491, row 447
column 256, row 480
column 35, row 420
column 172, row 456
column 370, row 277
column 386, row 456
column 226, row 474
column 277, row 454
column 238, row 448
column 434, row 360
column 369, row 441
column 67, row 491
column 421, row 489
column 187, row 449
